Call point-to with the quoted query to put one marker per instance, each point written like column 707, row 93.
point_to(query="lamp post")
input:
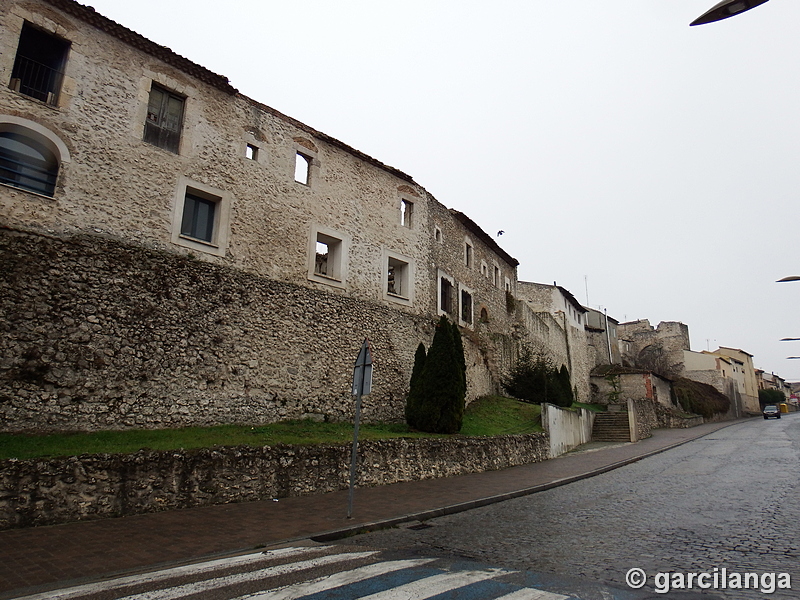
column 725, row 9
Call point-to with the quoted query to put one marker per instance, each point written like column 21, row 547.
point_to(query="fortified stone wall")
column 657, row 349
column 45, row 492
column 99, row 334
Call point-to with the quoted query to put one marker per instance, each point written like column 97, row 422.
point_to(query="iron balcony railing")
column 36, row 80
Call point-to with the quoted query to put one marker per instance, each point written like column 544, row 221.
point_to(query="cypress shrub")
column 414, row 397
column 439, row 407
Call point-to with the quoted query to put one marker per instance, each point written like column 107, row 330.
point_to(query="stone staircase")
column 611, row 427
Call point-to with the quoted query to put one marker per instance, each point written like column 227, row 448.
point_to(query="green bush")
column 534, row 378
column 770, row 397
column 437, row 395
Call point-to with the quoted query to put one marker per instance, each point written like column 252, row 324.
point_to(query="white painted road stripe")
column 189, row 589
column 114, row 584
column 323, row 584
column 532, row 594
column 435, row 585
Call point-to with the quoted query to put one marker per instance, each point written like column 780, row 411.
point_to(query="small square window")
column 251, row 152
column 406, row 213
column 302, row 168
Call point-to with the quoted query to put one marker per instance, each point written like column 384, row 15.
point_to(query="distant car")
column 771, row 411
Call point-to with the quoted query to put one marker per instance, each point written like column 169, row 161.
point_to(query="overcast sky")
column 620, row 150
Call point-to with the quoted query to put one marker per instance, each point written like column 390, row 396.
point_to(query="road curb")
column 425, row 515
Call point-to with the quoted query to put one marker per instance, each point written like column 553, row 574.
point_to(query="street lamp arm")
column 789, row 278
column 725, row 9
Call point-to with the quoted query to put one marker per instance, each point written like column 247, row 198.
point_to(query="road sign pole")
column 362, row 384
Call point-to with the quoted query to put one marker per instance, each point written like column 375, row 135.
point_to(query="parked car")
column 771, row 411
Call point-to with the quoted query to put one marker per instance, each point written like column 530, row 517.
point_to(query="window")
column 468, row 254
column 302, row 168
column 397, row 278
column 39, row 66
column 406, row 213
column 164, row 119
column 198, row 218
column 27, row 163
column 251, row 152
column 446, row 296
column 466, row 306
column 484, row 315
column 484, row 269
column 327, row 256
column 496, row 276
column 327, row 259
column 437, row 234
column 201, row 217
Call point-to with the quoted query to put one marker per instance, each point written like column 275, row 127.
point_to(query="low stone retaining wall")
column 46, row 492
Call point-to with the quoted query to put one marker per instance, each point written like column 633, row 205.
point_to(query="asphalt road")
column 726, row 504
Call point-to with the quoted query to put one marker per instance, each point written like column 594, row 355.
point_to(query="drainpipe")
column 608, row 338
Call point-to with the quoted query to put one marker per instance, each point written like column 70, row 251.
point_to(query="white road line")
column 323, row 584
column 435, row 585
column 532, row 594
column 189, row 589
column 156, row 576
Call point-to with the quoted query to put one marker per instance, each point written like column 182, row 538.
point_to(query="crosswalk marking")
column 195, row 569
column 323, row 584
column 531, row 594
column 220, row 582
column 311, row 573
column 433, row 586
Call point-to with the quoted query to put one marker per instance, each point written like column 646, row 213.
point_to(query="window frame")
column 155, row 132
column 453, row 301
column 338, row 252
column 462, row 290
column 220, row 231
column 406, row 280
column 50, row 93
column 43, row 137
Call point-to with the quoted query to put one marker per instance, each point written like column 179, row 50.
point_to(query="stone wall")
column 42, row 492
column 101, row 335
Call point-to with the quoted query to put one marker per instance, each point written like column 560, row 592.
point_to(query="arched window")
column 30, row 157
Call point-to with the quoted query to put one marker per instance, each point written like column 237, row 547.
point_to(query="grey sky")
column 613, row 144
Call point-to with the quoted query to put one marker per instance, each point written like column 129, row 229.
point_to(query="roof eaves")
column 92, row 17
column 484, row 237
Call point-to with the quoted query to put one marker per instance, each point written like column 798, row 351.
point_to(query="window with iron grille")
column 39, row 65
column 27, row 164
column 164, row 119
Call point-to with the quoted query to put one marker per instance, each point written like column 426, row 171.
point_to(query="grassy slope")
column 491, row 415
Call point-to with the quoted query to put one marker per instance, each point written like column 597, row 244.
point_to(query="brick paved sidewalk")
column 41, row 558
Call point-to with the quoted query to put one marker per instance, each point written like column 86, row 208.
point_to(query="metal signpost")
column 362, row 385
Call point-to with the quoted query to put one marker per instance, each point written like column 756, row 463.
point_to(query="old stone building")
column 659, row 349
column 556, row 322
column 177, row 253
